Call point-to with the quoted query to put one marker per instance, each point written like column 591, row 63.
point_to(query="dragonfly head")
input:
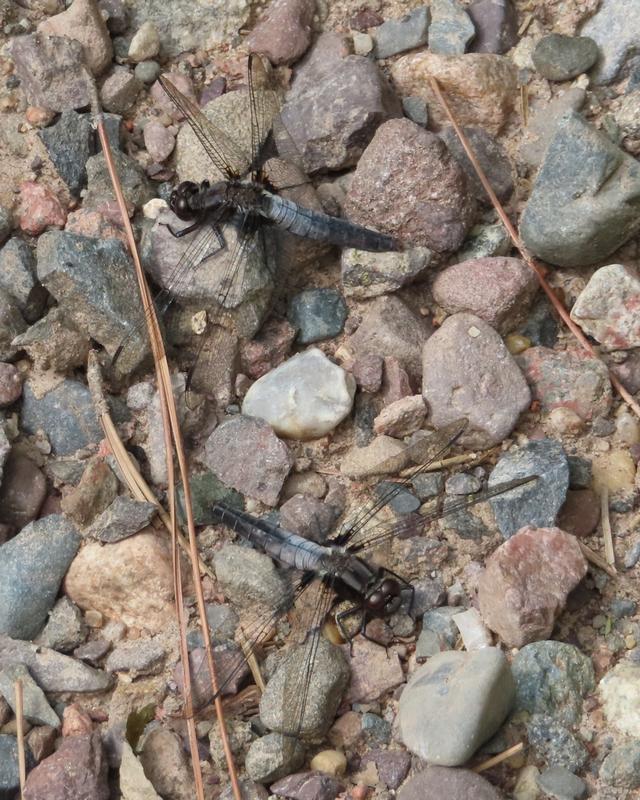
column 385, row 598
column 180, row 200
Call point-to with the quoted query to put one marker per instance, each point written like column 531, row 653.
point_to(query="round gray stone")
column 559, row 58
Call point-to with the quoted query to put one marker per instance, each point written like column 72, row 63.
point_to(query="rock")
column 54, row 343
column 12, row 324
column 373, row 672
column 225, row 454
column 480, row 87
column 404, row 160
column 52, row 671
column 544, row 121
column 554, row 743
column 367, row 371
column 93, row 651
column 416, row 110
column 158, row 140
column 69, row 145
column 306, row 397
column 539, row 502
column 272, row 757
column 9, row 769
column 390, row 328
column 138, row 657
column 391, row 766
column 614, row 470
column 147, row 72
column 145, row 43
column 496, row 24
column 283, row 33
column 332, row 762
column 321, row 696
column 451, row 29
column 83, row 23
column 65, row 629
column 121, row 519
column 332, row 119
column 398, row 35
column 318, row 314
column 621, row 767
column 383, row 455
column 604, row 308
column 526, row 582
column 35, row 706
column 454, row 703
column 136, row 188
column 492, row 158
column 313, row 784
column 454, row 784
column 503, row 290
column 130, row 580
column 619, row 692
column 47, row 67
column 39, row 208
column 89, row 297
column 571, row 379
column 134, row 784
column 120, row 90
column 164, row 762
column 597, row 203
column 552, row 678
column 367, row 274
column 395, row 381
column 308, row 517
column 615, row 29
column 77, row 769
column 207, row 491
column 561, row 784
column 31, row 569
column 41, row 741
column 401, row 418
column 270, row 347
column 247, row 576
column 17, row 271
column 95, row 492
column 467, row 371
column 559, row 58
column 23, row 491
column 580, row 513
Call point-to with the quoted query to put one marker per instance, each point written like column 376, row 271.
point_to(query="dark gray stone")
column 451, row 29
column 496, row 24
column 429, row 593
column 585, row 200
column 34, row 703
column 542, row 325
column 135, row 186
column 580, row 472
column 68, row 143
column 9, row 770
column 415, row 108
column 561, row 784
column 493, row 160
column 124, row 517
column 621, row 767
column 428, row 484
column 120, row 90
column 66, row 415
column 222, row 620
column 140, row 656
column 206, row 491
column 318, row 314
column 400, row 500
column 559, row 58
column 623, row 607
column 555, row 744
column 536, row 503
column 115, row 15
column 463, row 484
column 17, row 270
column 65, row 628
column 32, row 566
column 103, row 301
column 399, row 35
column 375, row 729
column 12, row 324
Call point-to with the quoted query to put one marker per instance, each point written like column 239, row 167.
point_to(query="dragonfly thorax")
column 189, row 199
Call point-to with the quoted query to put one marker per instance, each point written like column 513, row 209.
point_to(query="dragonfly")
column 344, row 580
column 235, row 225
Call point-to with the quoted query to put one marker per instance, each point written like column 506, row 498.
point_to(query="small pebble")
column 559, row 58
column 147, row 71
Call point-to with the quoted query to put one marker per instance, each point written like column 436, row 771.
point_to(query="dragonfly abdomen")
column 316, row 225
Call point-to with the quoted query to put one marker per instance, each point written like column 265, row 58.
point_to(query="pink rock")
column 158, row 140
column 408, row 184
column 23, row 490
column 270, row 348
column 161, row 98
column 570, row 379
column 284, row 32
column 83, row 22
column 39, row 209
column 498, row 290
column 401, row 417
column 346, row 730
column 76, row 721
column 395, row 381
column 526, row 581
column 367, row 371
column 10, row 384
column 102, row 224
column 374, row 671
column 39, row 117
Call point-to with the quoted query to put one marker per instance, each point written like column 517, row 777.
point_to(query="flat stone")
column 132, row 780
column 318, row 314
column 120, row 90
column 454, row 784
column 96, row 491
column 308, row 517
column 561, row 784
column 468, row 372
column 555, row 744
column 138, row 657
column 392, row 766
column 158, row 140
column 17, row 270
column 83, row 23
column 32, row 567
column 454, row 703
column 398, row 35
column 206, row 492
column 619, row 692
column 559, row 58
column 247, row 577
column 451, row 29
column 592, row 186
column 39, row 208
column 367, row 274
column 53, row 342
column 615, row 29
column 165, row 764
column 121, row 519
column 526, row 582
column 401, row 418
column 496, row 24
column 145, row 43
column 271, row 757
column 283, row 32
column 136, row 188
column 384, row 455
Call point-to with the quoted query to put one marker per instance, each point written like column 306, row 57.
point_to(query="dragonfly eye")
column 179, row 200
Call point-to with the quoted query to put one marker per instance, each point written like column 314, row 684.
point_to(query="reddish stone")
column 283, row 33
column 41, row 741
column 580, row 513
column 374, row 671
column 103, row 224
column 314, row 784
column 395, row 381
column 526, row 581
column 182, row 83
column 454, row 784
column 39, row 117
column 364, row 19
column 39, row 209
column 268, row 349
column 10, row 384
column 367, row 371
column 76, row 721
column 23, row 491
column 231, row 670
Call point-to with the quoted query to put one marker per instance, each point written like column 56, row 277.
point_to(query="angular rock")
column 248, row 577
column 96, row 490
column 35, row 706
column 558, row 57
column 607, row 307
column 272, row 757
column 17, row 270
column 133, row 782
column 308, row 517
column 9, row 769
column 269, row 348
column 121, row 519
column 367, row 274
column 398, row 35
column 136, row 188
column 158, row 140
column 455, row 703
column 454, row 784
column 589, row 184
column 22, row 492
column 526, row 582
column 401, row 418
column 262, row 477
column 556, row 744
column 10, row 384
column 65, row 628
column 571, row 379
column 383, row 455
column 374, row 672
column 102, row 302
column 580, row 513
column 481, row 87
column 404, row 160
column 615, row 28
column 622, row 766
column 468, row 371
column 496, row 24
column 451, row 29
column 32, row 567
column 69, row 145
column 120, row 90
column 561, row 783
column 82, row 22
column 139, row 657
column 313, row 784
column 12, row 324
column 145, row 43
column 54, row 343
column 283, row 33
column 318, row 314
column 39, row 208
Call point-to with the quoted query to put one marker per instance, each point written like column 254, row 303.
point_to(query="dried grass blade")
column 22, row 761
column 491, row 762
column 607, row 534
column 597, row 560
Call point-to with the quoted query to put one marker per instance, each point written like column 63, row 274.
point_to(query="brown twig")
column 597, row 560
column 19, row 709
column 607, row 535
column 491, row 762
column 535, row 265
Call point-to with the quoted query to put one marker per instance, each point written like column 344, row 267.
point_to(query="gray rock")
column 247, row 577
column 121, row 519
column 454, row 703
column 399, row 35
column 555, row 744
column 11, row 325
column 120, row 90
column 544, row 121
column 542, row 325
column 615, row 28
column 552, row 678
column 496, row 24
column 494, row 161
column 451, row 29
column 375, row 729
column 9, row 769
column 66, row 415
column 65, row 629
column 484, row 241
column 537, row 503
column 135, row 186
column 206, row 492
column 439, row 622
column 102, row 302
column 114, row 14
column 5, row 448
column 32, row 566
column 580, row 472
column 371, row 274
column 392, row 765
column 35, row 706
column 68, row 144
column 584, row 203
column 272, row 757
column 308, row 517
column 399, row 500
column 561, row 784
column 428, row 485
column 222, row 620
column 54, row 343
column 318, row 314
column 147, row 71
column 140, row 657
column 52, row 671
column 621, row 767
column 415, row 109
column 6, row 224
column 17, row 270
column 93, row 651
column 462, row 483
column 559, row 58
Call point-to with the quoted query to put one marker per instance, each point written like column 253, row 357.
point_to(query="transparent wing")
column 264, row 104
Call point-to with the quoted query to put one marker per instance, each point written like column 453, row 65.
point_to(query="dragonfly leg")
column 185, row 231
column 342, row 615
